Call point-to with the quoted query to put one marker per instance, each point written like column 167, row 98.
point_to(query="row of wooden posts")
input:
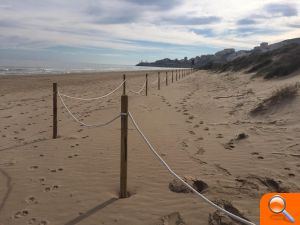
column 177, row 74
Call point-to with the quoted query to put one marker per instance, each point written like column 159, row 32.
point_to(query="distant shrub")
column 261, row 65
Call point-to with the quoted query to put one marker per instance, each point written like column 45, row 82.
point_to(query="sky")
column 60, row 32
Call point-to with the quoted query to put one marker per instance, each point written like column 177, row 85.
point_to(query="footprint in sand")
column 192, row 132
column 172, row 219
column 51, row 188
column 42, row 180
column 255, row 182
column 219, row 136
column 34, row 167
column 21, row 214
column 184, row 145
column 199, row 139
column 32, row 221
column 200, row 151
column 218, row 218
column 31, row 200
column 55, row 170
column 71, row 156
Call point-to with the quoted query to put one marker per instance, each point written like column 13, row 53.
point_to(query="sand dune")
column 201, row 125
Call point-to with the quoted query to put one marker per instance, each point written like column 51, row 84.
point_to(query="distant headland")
column 273, row 60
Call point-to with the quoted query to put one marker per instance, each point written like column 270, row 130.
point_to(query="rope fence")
column 124, row 115
column 96, row 98
column 179, row 75
column 242, row 220
column 139, row 91
column 82, row 123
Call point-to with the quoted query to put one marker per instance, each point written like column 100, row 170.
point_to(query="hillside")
column 276, row 60
column 276, row 63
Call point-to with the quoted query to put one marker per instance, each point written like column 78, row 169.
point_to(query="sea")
column 21, row 70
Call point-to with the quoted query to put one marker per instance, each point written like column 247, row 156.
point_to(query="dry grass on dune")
column 279, row 97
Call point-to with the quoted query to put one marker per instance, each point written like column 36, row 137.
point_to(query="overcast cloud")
column 126, row 31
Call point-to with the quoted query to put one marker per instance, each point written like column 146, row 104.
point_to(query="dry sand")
column 193, row 124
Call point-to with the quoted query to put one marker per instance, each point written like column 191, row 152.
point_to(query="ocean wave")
column 13, row 70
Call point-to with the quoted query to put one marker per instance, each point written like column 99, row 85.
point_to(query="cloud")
column 160, row 4
column 254, row 31
column 286, row 10
column 204, row 32
column 184, row 20
column 113, row 17
column 142, row 28
column 294, row 25
column 9, row 23
column 246, row 21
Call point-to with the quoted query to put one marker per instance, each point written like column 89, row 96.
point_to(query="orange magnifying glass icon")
column 277, row 205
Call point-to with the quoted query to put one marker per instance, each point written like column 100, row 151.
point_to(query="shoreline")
column 11, row 83
column 92, row 71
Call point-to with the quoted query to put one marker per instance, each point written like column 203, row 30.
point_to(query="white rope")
column 185, row 183
column 82, row 123
column 96, row 98
column 139, row 92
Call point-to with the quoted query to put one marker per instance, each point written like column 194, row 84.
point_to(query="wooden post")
column 146, row 84
column 172, row 77
column 54, row 110
column 158, row 81
column 124, row 134
column 176, row 75
column 124, row 84
column 166, row 78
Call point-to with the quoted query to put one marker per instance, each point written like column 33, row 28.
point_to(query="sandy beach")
column 200, row 125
